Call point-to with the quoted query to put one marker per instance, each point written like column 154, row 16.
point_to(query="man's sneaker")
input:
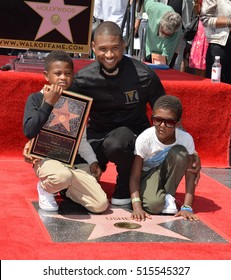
column 120, row 201
column 121, row 195
column 170, row 205
column 46, row 200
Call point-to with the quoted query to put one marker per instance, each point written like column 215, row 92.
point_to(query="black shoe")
column 120, row 201
column 121, row 195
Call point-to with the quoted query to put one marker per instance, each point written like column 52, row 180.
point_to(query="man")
column 185, row 9
column 121, row 88
column 163, row 31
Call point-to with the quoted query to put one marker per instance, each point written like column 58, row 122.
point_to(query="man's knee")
column 120, row 140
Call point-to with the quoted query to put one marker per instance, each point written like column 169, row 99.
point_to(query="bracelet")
column 136, row 199
column 186, row 208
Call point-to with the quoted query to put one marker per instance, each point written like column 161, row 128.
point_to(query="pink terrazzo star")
column 104, row 223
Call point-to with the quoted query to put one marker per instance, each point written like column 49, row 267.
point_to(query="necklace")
column 115, row 72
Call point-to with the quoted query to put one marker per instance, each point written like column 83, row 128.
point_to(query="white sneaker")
column 170, row 205
column 46, row 200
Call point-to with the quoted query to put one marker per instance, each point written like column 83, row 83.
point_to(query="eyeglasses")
column 164, row 34
column 167, row 122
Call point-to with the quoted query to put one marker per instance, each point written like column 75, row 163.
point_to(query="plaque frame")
column 60, row 136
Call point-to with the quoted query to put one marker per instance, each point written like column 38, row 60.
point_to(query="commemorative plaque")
column 61, row 135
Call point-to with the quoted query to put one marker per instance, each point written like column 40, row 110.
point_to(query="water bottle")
column 216, row 70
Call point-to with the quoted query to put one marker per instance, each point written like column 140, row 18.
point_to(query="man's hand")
column 26, row 155
column 96, row 170
column 196, row 168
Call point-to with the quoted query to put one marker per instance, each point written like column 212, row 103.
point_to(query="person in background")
column 163, row 154
column 184, row 8
column 198, row 51
column 113, row 10
column 54, row 176
column 121, row 88
column 216, row 18
column 163, row 32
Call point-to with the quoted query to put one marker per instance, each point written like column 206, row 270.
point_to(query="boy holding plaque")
column 54, row 176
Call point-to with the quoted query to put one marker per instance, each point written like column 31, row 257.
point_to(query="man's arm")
column 155, row 88
column 196, row 168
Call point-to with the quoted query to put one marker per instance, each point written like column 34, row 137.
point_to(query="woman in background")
column 197, row 56
column 216, row 18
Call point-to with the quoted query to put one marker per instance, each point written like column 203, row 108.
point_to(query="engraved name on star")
column 63, row 116
column 104, row 223
column 55, row 15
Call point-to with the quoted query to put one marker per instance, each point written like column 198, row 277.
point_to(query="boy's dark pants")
column 156, row 183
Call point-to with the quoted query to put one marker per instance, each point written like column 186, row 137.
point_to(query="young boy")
column 163, row 154
column 53, row 175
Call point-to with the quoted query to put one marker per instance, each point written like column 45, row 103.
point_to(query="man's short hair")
column 171, row 22
column 108, row 28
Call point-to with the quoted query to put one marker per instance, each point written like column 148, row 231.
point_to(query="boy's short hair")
column 58, row 56
column 169, row 102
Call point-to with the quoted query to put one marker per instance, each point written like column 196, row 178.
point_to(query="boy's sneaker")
column 170, row 205
column 46, row 200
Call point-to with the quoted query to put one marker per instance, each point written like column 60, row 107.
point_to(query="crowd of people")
column 160, row 26
column 212, row 37
column 150, row 161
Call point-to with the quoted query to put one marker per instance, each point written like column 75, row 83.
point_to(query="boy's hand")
column 187, row 215
column 140, row 215
column 26, row 155
column 52, row 93
column 96, row 170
